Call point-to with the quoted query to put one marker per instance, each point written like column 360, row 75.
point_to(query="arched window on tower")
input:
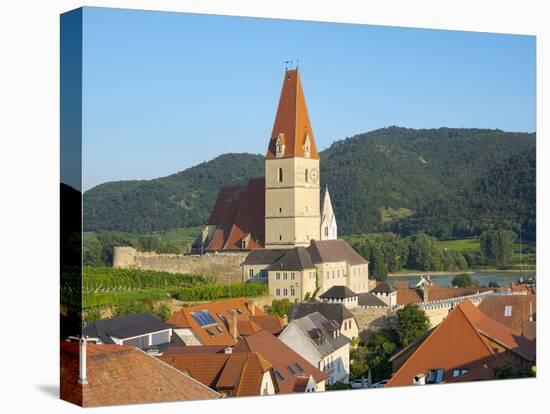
column 280, row 175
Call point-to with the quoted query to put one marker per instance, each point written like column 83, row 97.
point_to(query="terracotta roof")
column 260, row 320
column 464, row 339
column 323, row 251
column 238, row 212
column 405, row 296
column 124, row 375
column 194, row 350
column 292, row 120
column 521, row 316
column 280, row 356
column 300, row 385
column 238, row 374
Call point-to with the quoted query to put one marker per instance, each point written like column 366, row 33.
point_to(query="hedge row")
column 219, row 291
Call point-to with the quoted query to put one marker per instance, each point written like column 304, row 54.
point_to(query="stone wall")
column 225, row 266
column 371, row 319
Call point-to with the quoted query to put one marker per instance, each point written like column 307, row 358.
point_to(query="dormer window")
column 307, row 146
column 280, row 145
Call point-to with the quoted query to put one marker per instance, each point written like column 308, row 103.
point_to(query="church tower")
column 329, row 229
column 292, row 216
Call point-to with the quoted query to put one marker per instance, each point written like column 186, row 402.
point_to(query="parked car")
column 379, row 384
column 359, row 383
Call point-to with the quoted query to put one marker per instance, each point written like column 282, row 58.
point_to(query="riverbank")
column 447, row 273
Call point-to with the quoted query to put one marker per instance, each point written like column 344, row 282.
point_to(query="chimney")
column 419, row 379
column 251, row 307
column 82, row 356
column 228, row 350
column 233, row 324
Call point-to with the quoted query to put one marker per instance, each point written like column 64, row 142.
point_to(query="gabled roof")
column 280, row 356
column 238, row 213
column 327, row 213
column 125, row 327
column 213, row 336
column 338, row 292
column 292, row 120
column 240, row 373
column 124, row 375
column 522, row 312
column 264, row 256
column 464, row 339
column 323, row 251
column 331, row 311
column 319, row 330
column 297, row 258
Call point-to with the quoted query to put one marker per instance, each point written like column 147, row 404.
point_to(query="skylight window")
column 209, row 332
column 279, row 375
column 239, row 311
column 435, row 376
column 222, row 318
column 219, row 328
column 300, row 369
column 459, row 371
column 203, row 318
column 508, row 310
column 289, row 368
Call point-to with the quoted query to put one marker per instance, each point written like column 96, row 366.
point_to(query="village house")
column 222, row 322
column 94, row 375
column 386, row 294
column 332, row 311
column 142, row 330
column 321, row 342
column 517, row 312
column 231, row 374
column 466, row 346
column 293, row 373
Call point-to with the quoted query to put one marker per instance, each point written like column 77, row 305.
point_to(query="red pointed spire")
column 292, row 121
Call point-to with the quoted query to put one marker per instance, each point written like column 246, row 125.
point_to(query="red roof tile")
column 462, row 340
column 124, row 375
column 522, row 316
column 239, row 214
column 292, row 120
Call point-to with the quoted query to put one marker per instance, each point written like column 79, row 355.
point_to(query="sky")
column 165, row 91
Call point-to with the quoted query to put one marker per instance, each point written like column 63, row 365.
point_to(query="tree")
column 358, row 362
column 498, row 245
column 464, row 280
column 381, row 346
column 279, row 307
column 412, row 323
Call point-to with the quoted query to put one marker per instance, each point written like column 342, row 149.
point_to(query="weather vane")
column 290, row 63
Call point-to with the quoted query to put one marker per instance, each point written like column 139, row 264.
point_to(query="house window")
column 459, row 371
column 307, row 175
column 280, row 237
column 278, row 276
column 277, row 292
column 250, row 273
column 435, row 376
column 279, row 375
column 263, row 273
column 285, row 292
column 326, row 231
column 292, row 276
column 280, row 210
column 285, row 276
column 292, row 292
column 508, row 310
column 160, row 338
column 280, row 175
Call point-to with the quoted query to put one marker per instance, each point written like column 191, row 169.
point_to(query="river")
column 503, row 278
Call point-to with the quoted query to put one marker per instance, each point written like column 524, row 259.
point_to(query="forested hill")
column 377, row 181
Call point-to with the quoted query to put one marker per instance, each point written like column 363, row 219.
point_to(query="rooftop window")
column 279, row 375
column 508, row 310
column 435, row 376
column 299, row 367
column 210, row 333
column 289, row 368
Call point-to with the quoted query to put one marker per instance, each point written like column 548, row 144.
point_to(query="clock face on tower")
column 315, row 175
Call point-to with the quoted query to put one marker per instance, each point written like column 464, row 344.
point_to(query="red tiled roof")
column 292, row 120
column 239, row 212
column 123, row 375
column 523, row 312
column 236, row 374
column 462, row 340
column 245, row 320
column 280, row 356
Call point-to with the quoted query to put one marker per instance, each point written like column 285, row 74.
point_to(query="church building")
column 279, row 217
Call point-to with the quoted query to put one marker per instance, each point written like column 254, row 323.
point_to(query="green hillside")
column 385, row 179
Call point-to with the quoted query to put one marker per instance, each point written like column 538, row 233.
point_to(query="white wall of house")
column 257, row 272
column 267, row 387
column 292, row 285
